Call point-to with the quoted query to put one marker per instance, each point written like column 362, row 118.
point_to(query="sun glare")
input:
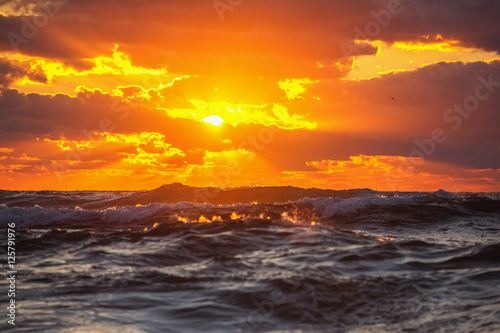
column 214, row 120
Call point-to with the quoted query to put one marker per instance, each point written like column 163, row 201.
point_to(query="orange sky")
column 128, row 95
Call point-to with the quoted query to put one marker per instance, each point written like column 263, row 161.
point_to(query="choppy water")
column 356, row 261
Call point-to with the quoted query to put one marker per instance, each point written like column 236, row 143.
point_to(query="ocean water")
column 181, row 259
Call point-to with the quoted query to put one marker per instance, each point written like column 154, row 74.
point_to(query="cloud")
column 391, row 173
column 280, row 33
column 474, row 23
column 353, row 118
column 91, row 111
column 361, row 117
column 15, row 70
column 189, row 37
column 274, row 71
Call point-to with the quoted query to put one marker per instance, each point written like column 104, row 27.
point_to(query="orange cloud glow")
column 118, row 95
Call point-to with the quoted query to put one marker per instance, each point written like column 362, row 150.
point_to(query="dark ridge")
column 174, row 193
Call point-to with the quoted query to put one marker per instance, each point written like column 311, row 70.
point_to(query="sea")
column 250, row 259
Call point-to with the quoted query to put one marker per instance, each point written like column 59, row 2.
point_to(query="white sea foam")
column 337, row 207
column 38, row 216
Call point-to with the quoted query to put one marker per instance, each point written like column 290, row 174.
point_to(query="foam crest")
column 37, row 216
column 340, row 207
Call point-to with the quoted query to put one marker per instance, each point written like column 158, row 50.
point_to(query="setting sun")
column 214, row 120
column 324, row 102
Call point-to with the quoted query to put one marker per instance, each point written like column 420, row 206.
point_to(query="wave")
column 29, row 217
column 176, row 193
column 305, row 210
column 329, row 207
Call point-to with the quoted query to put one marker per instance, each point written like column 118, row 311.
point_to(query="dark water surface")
column 355, row 261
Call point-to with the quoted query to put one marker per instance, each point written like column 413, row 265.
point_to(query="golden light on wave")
column 214, row 120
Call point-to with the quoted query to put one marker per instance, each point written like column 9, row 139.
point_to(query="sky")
column 132, row 94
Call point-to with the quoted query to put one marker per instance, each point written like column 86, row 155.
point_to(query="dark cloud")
column 13, row 70
column 24, row 117
column 361, row 117
column 286, row 31
column 268, row 38
column 472, row 22
column 376, row 124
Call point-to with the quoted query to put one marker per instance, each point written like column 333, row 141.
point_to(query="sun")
column 214, row 120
